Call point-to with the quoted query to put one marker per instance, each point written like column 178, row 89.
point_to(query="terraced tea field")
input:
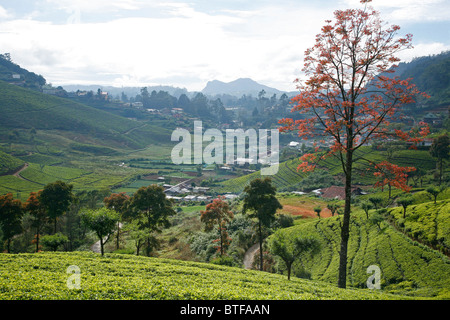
column 43, row 276
column 406, row 265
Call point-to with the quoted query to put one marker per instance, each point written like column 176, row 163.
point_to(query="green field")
column 427, row 222
column 407, row 266
column 43, row 276
column 288, row 175
column 9, row 163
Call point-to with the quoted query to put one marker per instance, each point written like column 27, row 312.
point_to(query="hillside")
column 43, row 276
column 8, row 163
column 24, row 109
column 407, row 267
column 329, row 171
column 13, row 73
column 431, row 74
column 64, row 140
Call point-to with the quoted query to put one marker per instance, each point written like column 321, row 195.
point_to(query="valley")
column 103, row 147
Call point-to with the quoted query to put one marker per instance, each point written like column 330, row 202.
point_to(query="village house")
column 337, row 192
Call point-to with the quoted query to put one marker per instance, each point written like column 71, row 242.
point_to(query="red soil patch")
column 305, row 212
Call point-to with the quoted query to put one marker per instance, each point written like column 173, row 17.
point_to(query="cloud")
column 95, row 5
column 184, row 44
column 423, row 49
column 4, row 14
column 408, row 11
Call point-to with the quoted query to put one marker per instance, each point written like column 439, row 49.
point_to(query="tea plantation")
column 43, row 276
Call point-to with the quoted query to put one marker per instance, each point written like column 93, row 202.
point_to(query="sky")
column 185, row 44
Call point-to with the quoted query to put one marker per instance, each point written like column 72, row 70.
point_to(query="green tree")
column 118, row 202
column 434, row 192
column 377, row 219
column 35, row 208
column 405, row 202
column 440, row 150
column 289, row 249
column 260, row 199
column 333, row 207
column 318, row 210
column 102, row 221
column 56, row 198
column 376, row 201
column 150, row 206
column 54, row 241
column 367, row 206
column 11, row 213
column 139, row 236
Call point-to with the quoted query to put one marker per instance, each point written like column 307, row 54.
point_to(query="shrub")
column 223, row 261
column 53, row 242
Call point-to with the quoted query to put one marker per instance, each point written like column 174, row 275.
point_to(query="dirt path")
column 248, row 256
column 96, row 247
column 17, row 173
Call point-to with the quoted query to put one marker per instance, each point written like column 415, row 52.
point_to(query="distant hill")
column 13, row 73
column 431, row 74
column 238, row 88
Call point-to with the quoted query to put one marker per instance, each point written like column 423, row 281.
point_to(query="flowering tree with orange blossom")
column 350, row 99
column 218, row 213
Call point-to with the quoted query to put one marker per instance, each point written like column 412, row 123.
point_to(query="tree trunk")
column 101, row 246
column 289, row 267
column 345, row 229
column 221, row 241
column 118, row 235
column 260, row 248
column 37, row 239
column 138, row 246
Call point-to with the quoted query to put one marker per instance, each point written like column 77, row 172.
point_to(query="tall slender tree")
column 118, row 202
column 152, row 209
column 35, row 208
column 260, row 199
column 440, row 149
column 11, row 213
column 350, row 98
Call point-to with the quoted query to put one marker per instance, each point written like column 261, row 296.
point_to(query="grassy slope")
column 71, row 142
column 427, row 222
column 406, row 265
column 9, row 163
column 288, row 175
column 43, row 276
column 83, row 125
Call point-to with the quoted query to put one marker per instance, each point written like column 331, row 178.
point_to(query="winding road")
column 17, row 173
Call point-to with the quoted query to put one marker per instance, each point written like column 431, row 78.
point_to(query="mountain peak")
column 238, row 88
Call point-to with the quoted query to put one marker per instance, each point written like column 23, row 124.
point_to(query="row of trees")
column 44, row 206
column 147, row 211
